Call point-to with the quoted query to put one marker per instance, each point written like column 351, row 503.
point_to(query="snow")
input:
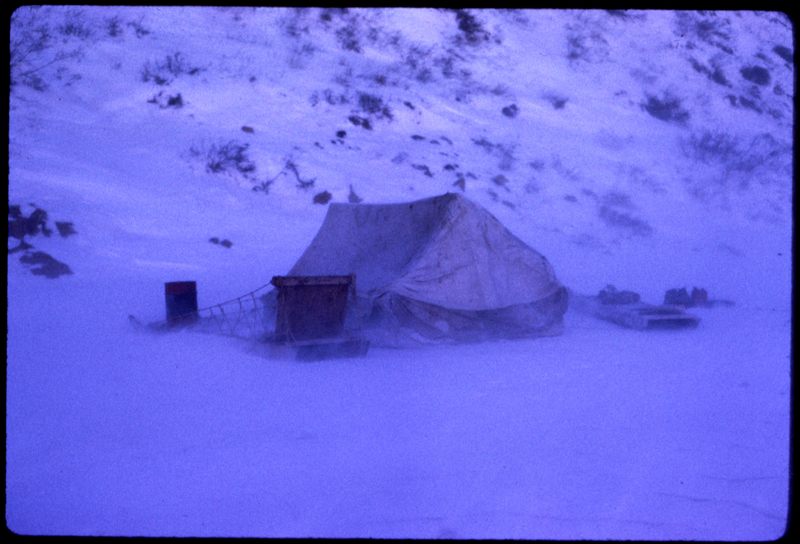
column 599, row 433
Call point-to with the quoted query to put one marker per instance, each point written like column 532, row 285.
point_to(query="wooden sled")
column 638, row 315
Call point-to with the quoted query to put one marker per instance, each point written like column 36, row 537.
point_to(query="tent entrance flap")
column 311, row 307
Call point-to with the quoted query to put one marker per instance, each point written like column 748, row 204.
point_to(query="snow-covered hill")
column 649, row 149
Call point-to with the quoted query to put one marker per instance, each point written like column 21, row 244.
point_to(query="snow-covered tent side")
column 437, row 269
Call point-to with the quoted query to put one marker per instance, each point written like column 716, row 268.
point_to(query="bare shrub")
column 472, row 31
column 585, row 42
column 164, row 101
column 714, row 73
column 138, row 28
column 348, row 38
column 231, row 156
column 374, row 106
column 718, row 148
column 114, row 27
column 710, row 27
column 505, row 153
column 75, row 25
column 165, row 71
column 34, row 52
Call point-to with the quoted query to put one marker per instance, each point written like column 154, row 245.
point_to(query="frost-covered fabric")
column 442, row 267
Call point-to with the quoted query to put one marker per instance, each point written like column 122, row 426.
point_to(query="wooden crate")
column 311, row 307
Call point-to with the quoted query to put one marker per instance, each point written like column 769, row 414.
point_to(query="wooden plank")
column 640, row 316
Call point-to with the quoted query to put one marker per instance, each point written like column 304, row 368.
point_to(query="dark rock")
column 322, row 198
column 510, row 111
column 37, row 218
column 65, row 228
column 45, row 265
column 500, row 180
column 360, row 122
column 175, row 101
column 226, row 243
column 784, row 52
column 422, row 168
column 17, row 228
column 757, row 74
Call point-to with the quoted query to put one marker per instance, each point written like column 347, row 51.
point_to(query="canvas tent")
column 437, row 269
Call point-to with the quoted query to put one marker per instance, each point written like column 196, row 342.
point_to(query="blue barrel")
column 181, row 299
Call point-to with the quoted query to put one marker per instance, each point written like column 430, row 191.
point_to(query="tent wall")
column 438, row 269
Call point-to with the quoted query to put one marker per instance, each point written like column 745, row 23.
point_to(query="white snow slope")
column 650, row 150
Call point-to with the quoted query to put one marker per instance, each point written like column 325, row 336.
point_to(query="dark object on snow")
column 249, row 130
column 636, row 315
column 223, row 243
column 37, row 219
column 322, row 198
column 699, row 297
column 181, row 300
column 353, row 198
column 610, row 295
column 20, row 226
column 47, row 265
column 16, row 228
column 65, row 228
column 678, row 297
column 510, row 111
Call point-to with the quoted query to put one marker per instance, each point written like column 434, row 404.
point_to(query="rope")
column 229, row 323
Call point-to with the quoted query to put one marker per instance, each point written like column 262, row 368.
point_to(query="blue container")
column 181, row 299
